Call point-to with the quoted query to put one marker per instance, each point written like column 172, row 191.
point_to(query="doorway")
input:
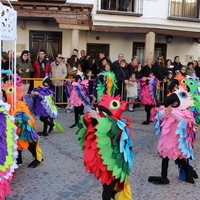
column 94, row 49
column 51, row 42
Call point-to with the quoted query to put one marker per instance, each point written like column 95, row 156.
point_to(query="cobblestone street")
column 62, row 176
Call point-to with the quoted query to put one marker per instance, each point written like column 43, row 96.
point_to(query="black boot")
column 158, row 180
column 19, row 158
column 34, row 163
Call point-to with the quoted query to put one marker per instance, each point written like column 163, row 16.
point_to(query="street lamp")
column 169, row 38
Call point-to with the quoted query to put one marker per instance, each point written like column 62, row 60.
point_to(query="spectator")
column 168, row 68
column 4, row 61
column 196, row 68
column 59, row 71
column 73, row 66
column 91, row 65
column 24, row 69
column 116, row 64
column 190, row 69
column 150, row 68
column 41, row 66
column 102, row 65
column 159, row 65
column 122, row 75
column 177, row 64
column 134, row 67
column 183, row 71
column 83, row 61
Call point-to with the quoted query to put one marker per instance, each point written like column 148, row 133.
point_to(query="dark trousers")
column 59, row 92
column 165, row 163
column 47, row 121
column 108, row 191
column 148, row 111
column 78, row 110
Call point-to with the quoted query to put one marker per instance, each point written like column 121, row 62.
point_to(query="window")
column 119, row 5
column 138, row 49
column 184, row 8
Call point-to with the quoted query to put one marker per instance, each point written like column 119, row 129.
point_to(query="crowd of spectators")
column 68, row 68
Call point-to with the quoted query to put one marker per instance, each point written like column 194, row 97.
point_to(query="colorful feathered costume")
column 107, row 84
column 79, row 97
column 107, row 146
column 194, row 86
column 26, row 130
column 176, row 129
column 147, row 94
column 8, row 150
column 44, row 107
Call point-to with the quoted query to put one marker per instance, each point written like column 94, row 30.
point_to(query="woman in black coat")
column 122, row 74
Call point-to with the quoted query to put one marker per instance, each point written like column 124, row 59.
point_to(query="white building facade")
column 148, row 28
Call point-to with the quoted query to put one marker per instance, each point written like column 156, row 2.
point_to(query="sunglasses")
column 159, row 58
column 60, row 57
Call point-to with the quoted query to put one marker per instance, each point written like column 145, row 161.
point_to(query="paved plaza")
column 62, row 176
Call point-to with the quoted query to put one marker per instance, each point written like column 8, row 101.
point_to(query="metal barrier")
column 35, row 82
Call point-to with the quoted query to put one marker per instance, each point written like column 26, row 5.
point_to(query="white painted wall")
column 23, row 35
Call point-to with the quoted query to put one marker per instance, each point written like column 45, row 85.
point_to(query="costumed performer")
column 26, row 128
column 107, row 83
column 106, row 143
column 8, row 148
column 147, row 94
column 175, row 126
column 44, row 107
column 79, row 97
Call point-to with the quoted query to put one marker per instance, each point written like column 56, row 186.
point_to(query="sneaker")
column 68, row 110
column 131, row 110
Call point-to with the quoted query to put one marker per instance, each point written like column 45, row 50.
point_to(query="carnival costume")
column 107, row 84
column 147, row 94
column 44, row 107
column 79, row 97
column 176, row 130
column 194, row 86
column 107, row 147
column 8, row 150
column 26, row 129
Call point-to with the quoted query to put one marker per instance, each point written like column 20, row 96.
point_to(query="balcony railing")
column 135, row 6
column 184, row 8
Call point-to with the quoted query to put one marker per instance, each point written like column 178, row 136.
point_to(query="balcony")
column 184, row 10
column 121, row 7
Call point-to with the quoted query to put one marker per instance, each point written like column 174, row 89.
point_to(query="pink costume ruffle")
column 146, row 97
column 168, row 142
column 75, row 99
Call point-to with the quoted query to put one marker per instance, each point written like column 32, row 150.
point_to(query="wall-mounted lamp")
column 169, row 38
column 197, row 39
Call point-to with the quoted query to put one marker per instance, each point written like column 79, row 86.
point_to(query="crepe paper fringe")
column 184, row 144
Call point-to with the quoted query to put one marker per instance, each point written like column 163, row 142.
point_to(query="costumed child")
column 44, row 107
column 175, row 126
column 90, row 77
column 106, row 143
column 26, row 129
column 107, row 83
column 147, row 94
column 132, row 93
column 79, row 97
column 8, row 148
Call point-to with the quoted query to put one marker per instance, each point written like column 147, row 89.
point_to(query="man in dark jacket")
column 41, row 65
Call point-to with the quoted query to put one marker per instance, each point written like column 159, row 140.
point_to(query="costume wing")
column 8, row 152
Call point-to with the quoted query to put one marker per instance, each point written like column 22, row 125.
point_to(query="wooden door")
column 93, row 49
column 51, row 42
